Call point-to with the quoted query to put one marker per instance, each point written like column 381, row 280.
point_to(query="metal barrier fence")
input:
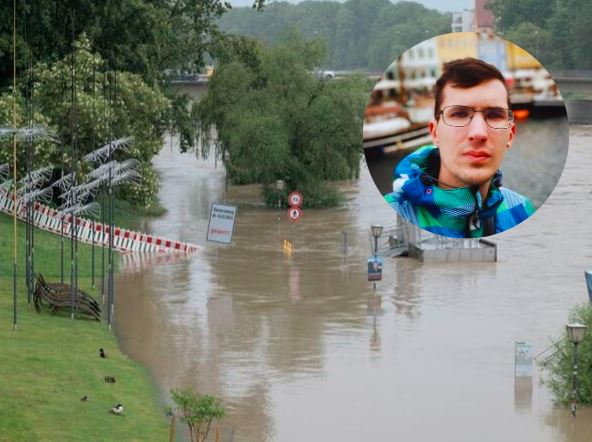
column 87, row 231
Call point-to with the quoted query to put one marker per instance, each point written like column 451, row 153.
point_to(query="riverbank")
column 50, row 362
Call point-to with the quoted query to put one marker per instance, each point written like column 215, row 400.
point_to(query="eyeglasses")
column 460, row 116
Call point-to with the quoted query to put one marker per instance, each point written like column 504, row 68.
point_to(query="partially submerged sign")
column 295, row 199
column 523, row 360
column 589, row 283
column 221, row 225
column 375, row 268
column 295, row 213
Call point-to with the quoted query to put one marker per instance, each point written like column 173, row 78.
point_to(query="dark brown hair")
column 466, row 73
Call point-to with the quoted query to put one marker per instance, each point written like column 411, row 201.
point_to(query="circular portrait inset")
column 465, row 135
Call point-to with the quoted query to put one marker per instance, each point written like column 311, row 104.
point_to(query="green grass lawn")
column 50, row 362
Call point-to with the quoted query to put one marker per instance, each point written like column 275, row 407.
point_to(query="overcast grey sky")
column 447, row 5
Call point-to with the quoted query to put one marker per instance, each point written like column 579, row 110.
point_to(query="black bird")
column 110, row 379
column 84, row 398
column 102, row 353
column 117, row 409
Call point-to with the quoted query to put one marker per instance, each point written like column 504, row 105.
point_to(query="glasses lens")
column 457, row 115
column 497, row 117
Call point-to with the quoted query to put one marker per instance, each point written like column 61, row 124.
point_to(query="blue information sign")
column 375, row 268
column 589, row 283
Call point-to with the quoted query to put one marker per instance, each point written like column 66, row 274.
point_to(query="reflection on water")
column 531, row 167
column 299, row 347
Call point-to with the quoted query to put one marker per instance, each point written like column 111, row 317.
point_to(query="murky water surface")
column 300, row 349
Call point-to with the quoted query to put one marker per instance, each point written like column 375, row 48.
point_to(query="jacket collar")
column 416, row 174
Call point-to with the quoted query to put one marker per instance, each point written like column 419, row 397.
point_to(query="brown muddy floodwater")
column 300, row 350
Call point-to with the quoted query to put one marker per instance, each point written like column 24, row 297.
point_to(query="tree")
column 559, row 369
column 359, row 33
column 108, row 105
column 535, row 40
column 278, row 120
column 197, row 411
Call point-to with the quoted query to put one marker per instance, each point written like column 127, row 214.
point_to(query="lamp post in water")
column 575, row 333
column 279, row 185
column 376, row 232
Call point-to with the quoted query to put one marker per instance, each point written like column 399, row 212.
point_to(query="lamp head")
column 576, row 332
column 376, row 230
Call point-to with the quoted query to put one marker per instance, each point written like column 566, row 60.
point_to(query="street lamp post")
column 226, row 159
column 575, row 333
column 376, row 232
column 279, row 185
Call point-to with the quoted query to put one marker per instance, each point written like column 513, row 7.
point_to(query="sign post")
column 221, row 224
column 522, row 360
column 295, row 213
column 295, row 200
column 375, row 268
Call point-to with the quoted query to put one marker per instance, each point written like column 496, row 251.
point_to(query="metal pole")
column 109, row 256
column 574, row 404
column 111, row 259
column 103, row 246
column 279, row 205
column 226, row 185
column 14, row 200
column 375, row 251
column 71, row 266
column 93, row 255
column 76, row 220
column 62, row 253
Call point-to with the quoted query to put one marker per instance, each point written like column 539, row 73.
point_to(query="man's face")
column 470, row 155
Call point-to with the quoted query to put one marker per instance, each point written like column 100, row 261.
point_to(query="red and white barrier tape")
column 124, row 240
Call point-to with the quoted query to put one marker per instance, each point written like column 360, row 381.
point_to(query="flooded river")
column 298, row 347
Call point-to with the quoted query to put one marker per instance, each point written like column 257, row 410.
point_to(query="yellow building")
column 518, row 58
column 456, row 45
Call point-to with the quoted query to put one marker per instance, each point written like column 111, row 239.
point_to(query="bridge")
column 573, row 81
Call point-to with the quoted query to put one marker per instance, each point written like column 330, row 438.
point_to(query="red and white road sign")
column 295, row 213
column 295, row 199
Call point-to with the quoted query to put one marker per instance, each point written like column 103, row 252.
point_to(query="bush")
column 197, row 411
column 559, row 369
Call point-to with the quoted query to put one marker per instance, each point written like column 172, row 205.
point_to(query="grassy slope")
column 50, row 362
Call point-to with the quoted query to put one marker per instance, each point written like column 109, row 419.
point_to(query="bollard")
column 344, row 243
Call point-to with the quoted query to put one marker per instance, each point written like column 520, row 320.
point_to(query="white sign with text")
column 221, row 225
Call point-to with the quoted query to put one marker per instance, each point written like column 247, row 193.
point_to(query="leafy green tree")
column 535, row 40
column 559, row 369
column 510, row 14
column 107, row 105
column 278, row 120
column 359, row 33
column 561, row 26
column 197, row 411
column 143, row 37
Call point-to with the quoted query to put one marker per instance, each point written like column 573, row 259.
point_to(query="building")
column 420, row 65
column 492, row 50
column 462, row 21
column 484, row 19
column 456, row 45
